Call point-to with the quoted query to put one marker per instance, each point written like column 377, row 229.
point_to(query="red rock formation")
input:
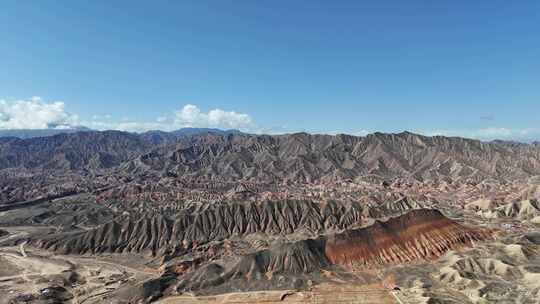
column 419, row 234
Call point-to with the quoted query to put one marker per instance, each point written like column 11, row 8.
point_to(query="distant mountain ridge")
column 299, row 157
column 158, row 137
column 31, row 133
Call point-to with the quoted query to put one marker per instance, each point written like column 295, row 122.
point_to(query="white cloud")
column 362, row 132
column 490, row 133
column 34, row 113
column 493, row 132
column 191, row 116
column 125, row 125
column 162, row 119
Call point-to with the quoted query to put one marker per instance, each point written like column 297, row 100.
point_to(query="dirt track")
column 26, row 271
column 325, row 293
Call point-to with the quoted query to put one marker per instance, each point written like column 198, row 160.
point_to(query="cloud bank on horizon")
column 190, row 116
column 490, row 133
column 35, row 113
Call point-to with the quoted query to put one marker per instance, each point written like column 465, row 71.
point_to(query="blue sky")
column 468, row 68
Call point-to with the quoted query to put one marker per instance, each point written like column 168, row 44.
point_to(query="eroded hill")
column 127, row 218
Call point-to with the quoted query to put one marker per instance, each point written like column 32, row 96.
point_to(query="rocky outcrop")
column 523, row 210
column 278, row 267
column 147, row 234
column 419, row 234
column 204, row 223
column 291, row 258
column 200, row 224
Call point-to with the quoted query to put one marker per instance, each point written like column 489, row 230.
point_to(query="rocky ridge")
column 200, row 224
column 418, row 235
column 297, row 157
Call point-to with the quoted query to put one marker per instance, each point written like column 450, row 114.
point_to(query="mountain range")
column 31, row 133
column 209, row 212
column 300, row 157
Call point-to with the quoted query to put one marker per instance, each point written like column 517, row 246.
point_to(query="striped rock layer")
column 418, row 234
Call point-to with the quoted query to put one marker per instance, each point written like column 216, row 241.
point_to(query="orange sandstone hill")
column 419, row 234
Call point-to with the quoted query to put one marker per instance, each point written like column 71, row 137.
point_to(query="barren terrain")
column 112, row 217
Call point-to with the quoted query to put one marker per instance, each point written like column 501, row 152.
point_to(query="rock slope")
column 297, row 157
column 306, row 158
column 199, row 225
column 419, row 234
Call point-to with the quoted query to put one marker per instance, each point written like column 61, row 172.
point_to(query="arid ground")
column 112, row 217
